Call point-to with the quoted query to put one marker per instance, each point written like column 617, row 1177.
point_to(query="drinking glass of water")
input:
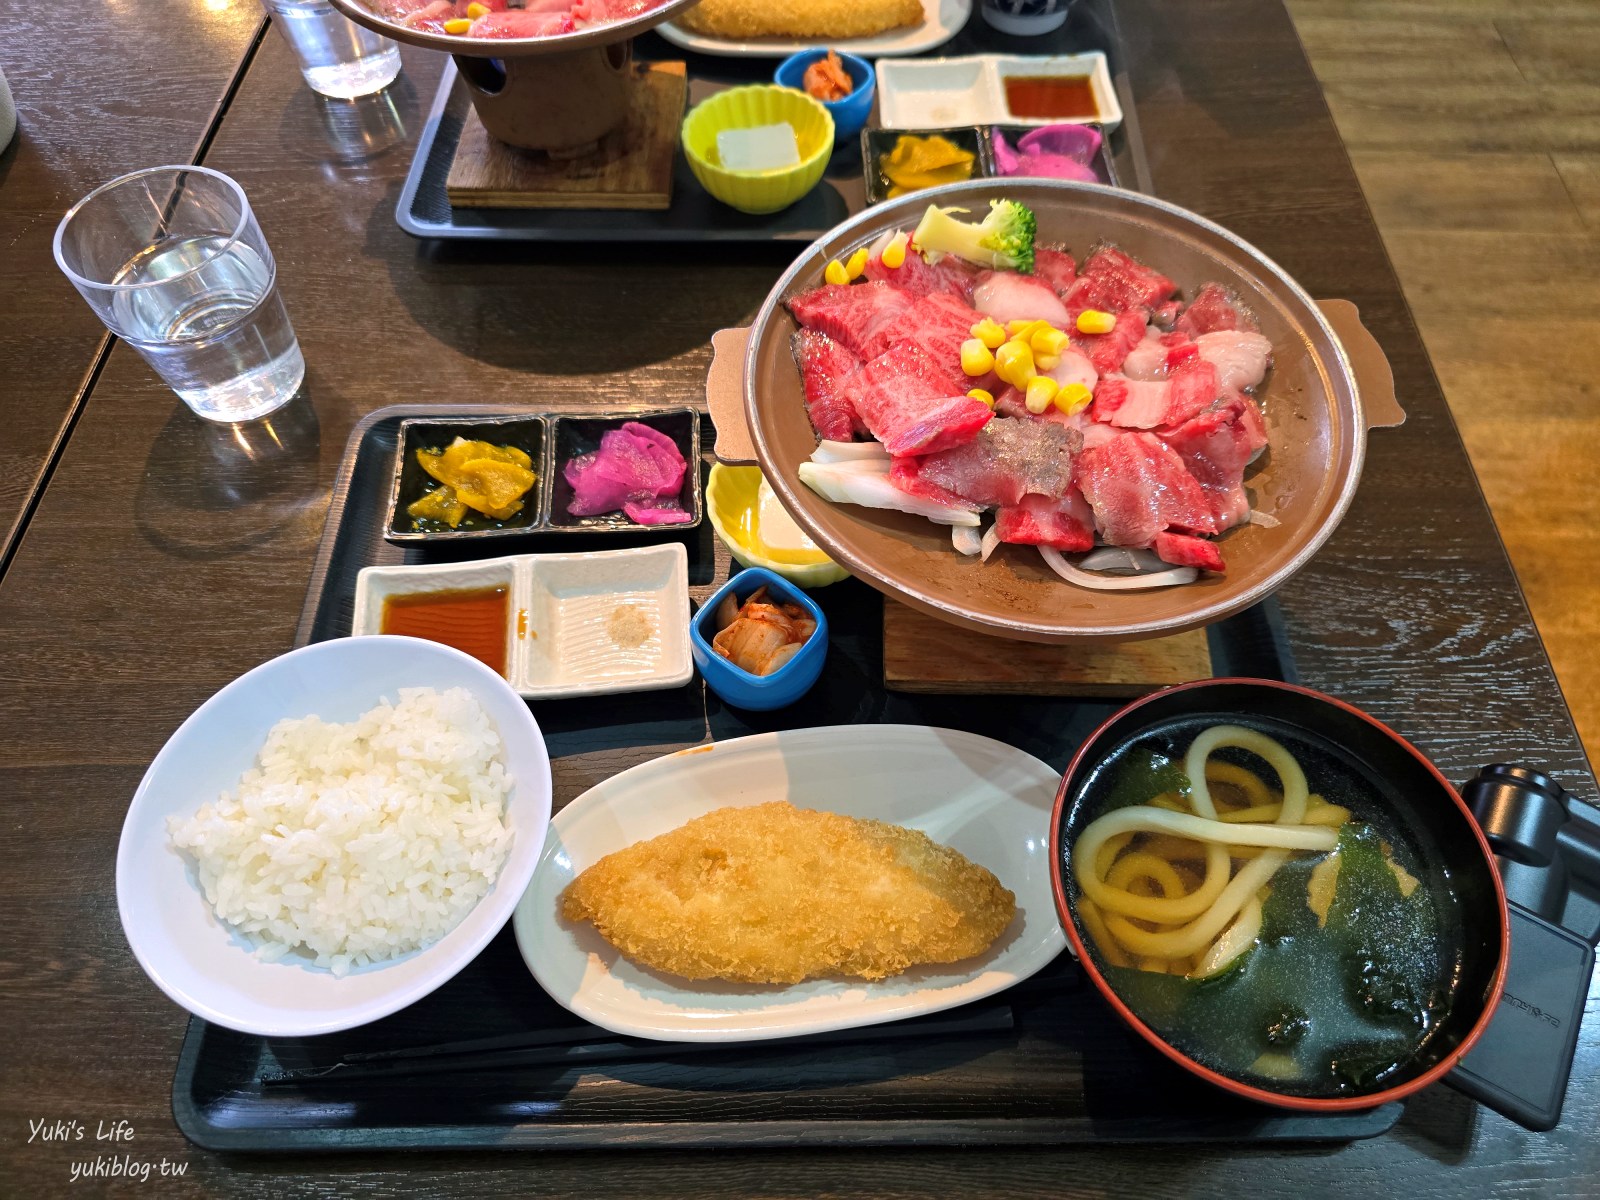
column 338, row 57
column 172, row 260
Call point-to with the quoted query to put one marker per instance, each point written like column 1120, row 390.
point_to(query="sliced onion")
column 1114, row 583
column 836, row 452
column 1265, row 520
column 965, row 539
column 1121, row 558
column 991, row 541
column 867, row 484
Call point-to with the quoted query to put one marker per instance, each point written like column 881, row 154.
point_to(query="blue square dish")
column 850, row 113
column 734, row 684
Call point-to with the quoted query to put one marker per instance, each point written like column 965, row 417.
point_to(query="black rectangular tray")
column 424, row 209
column 1054, row 1066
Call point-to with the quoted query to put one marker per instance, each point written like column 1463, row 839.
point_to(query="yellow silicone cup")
column 746, row 108
column 731, row 506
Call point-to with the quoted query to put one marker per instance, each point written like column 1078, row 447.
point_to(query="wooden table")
column 96, row 97
column 167, row 557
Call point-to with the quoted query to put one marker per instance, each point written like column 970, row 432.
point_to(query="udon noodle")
column 1177, row 885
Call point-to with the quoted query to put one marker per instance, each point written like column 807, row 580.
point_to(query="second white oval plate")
column 942, row 20
column 988, row 800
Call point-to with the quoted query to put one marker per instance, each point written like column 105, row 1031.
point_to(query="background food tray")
column 424, row 209
column 1050, row 1065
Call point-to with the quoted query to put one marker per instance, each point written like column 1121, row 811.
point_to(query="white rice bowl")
column 330, row 839
column 358, row 841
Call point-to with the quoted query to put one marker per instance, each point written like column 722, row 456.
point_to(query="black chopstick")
column 581, row 1046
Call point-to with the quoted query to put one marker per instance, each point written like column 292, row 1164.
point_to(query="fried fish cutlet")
column 800, row 18
column 777, row 894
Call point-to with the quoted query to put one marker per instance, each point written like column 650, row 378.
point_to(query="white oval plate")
column 942, row 20
column 988, row 800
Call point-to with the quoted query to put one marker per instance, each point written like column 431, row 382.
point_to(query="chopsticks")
column 581, row 1046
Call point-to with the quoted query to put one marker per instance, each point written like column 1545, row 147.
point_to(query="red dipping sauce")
column 1040, row 96
column 474, row 621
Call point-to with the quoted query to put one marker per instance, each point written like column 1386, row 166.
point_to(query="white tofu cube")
column 763, row 148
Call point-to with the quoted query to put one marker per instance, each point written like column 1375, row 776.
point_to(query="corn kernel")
column 1073, row 398
column 989, row 332
column 1041, row 392
column 477, row 10
column 457, row 25
column 1093, row 321
column 976, row 358
column 857, row 264
column 894, row 254
column 1026, row 329
column 982, row 397
column 835, row 273
column 1048, row 340
column 1014, row 363
column 1046, row 362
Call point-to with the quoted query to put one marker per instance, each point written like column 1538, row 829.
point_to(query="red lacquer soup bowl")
column 1386, row 783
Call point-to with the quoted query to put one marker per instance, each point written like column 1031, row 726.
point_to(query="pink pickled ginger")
column 637, row 469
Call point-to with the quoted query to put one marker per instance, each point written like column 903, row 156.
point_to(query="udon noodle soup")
column 1254, row 901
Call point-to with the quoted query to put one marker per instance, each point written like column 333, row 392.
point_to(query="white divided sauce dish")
column 936, row 93
column 578, row 624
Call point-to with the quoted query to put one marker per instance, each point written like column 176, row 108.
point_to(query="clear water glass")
column 172, row 260
column 337, row 57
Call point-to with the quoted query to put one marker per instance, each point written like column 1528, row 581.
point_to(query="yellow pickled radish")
column 990, row 333
column 457, row 25
column 1073, row 398
column 1041, row 392
column 976, row 358
column 981, row 396
column 857, row 264
column 835, row 273
column 1014, row 363
column 1092, row 320
column 894, row 254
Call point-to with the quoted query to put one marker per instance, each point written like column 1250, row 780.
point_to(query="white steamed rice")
column 358, row 842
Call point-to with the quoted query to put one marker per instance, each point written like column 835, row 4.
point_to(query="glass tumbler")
column 172, row 260
column 337, row 57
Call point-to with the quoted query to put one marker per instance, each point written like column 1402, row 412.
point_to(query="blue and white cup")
column 1026, row 18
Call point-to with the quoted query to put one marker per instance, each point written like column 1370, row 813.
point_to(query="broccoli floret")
column 1003, row 240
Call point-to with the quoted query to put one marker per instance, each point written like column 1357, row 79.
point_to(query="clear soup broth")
column 1348, row 977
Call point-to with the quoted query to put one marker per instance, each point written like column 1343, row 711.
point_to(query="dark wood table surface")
column 166, row 557
column 98, row 94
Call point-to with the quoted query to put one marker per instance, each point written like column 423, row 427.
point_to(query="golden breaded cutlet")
column 777, row 894
column 800, row 18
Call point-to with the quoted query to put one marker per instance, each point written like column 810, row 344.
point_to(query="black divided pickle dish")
column 550, row 440
column 490, row 1061
column 977, row 140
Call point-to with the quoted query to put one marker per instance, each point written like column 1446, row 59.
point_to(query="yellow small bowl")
column 746, row 108
column 731, row 506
